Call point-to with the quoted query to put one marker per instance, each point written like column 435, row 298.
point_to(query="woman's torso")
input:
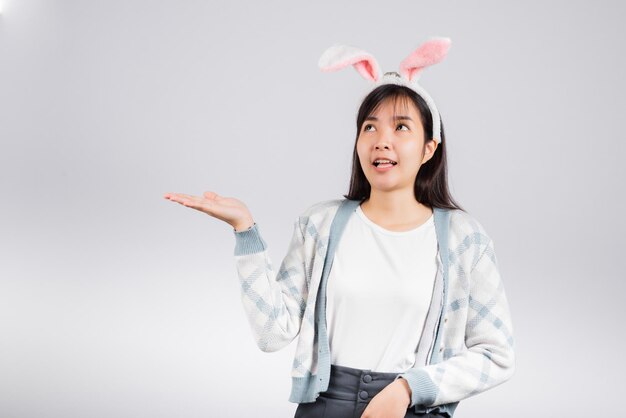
column 378, row 294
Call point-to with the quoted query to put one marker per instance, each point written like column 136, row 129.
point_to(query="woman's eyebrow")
column 395, row 118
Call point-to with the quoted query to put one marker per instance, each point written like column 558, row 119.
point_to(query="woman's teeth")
column 384, row 163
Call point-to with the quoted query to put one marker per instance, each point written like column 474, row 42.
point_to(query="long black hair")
column 431, row 182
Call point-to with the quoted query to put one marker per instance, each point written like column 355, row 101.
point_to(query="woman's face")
column 398, row 136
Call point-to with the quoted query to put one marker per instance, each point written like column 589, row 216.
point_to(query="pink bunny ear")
column 339, row 56
column 430, row 52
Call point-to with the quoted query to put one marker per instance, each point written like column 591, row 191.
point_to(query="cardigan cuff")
column 423, row 389
column 249, row 241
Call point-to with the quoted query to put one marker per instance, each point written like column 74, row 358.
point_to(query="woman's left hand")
column 391, row 402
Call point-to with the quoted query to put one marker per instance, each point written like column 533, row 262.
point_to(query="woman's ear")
column 339, row 56
column 429, row 150
column 429, row 53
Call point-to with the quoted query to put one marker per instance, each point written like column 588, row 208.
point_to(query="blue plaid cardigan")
column 467, row 343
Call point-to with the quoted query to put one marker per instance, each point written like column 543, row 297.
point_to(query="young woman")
column 394, row 291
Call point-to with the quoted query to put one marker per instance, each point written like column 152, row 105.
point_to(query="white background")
column 115, row 302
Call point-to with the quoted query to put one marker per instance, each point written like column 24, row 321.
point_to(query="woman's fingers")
column 171, row 196
column 207, row 195
column 195, row 202
column 181, row 198
column 188, row 200
column 178, row 197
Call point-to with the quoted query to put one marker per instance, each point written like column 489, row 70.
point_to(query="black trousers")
column 349, row 392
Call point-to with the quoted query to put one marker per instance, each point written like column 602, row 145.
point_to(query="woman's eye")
column 367, row 126
column 402, row 124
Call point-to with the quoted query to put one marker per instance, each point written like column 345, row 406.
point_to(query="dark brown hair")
column 431, row 182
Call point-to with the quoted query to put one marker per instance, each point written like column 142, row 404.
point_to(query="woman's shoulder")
column 318, row 217
column 321, row 208
column 464, row 224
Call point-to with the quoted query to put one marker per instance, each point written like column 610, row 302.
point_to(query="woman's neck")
column 395, row 210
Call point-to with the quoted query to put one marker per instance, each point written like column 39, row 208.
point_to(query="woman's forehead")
column 397, row 104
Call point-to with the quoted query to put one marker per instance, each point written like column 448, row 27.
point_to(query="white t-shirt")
column 378, row 294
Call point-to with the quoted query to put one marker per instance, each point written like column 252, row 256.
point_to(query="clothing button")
column 363, row 394
column 446, row 320
column 441, row 349
column 367, row 378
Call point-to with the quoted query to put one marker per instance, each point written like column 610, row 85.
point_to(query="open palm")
column 228, row 209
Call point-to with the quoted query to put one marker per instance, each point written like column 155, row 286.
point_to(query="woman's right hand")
column 228, row 209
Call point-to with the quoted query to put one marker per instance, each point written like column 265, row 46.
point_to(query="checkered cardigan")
column 467, row 343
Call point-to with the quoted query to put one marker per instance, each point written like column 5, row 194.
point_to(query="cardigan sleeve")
column 274, row 303
column 488, row 359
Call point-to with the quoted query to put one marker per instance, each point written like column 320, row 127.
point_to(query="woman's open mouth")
column 382, row 166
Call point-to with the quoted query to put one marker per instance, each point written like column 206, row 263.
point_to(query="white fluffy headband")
column 430, row 52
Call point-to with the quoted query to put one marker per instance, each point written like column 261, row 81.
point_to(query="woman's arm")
column 274, row 303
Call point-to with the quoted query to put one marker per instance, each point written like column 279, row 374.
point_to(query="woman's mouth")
column 382, row 167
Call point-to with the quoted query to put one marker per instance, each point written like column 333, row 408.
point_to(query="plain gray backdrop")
column 115, row 302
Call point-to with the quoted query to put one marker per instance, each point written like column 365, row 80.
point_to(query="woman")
column 394, row 291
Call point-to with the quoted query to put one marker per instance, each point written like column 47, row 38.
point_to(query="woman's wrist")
column 407, row 389
column 244, row 225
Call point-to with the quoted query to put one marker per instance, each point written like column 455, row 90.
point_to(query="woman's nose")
column 384, row 139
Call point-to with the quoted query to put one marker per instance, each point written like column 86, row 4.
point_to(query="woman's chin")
column 384, row 186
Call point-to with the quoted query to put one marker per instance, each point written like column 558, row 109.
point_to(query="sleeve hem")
column 249, row 241
column 423, row 389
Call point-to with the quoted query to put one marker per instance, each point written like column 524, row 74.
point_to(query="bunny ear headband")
column 430, row 52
